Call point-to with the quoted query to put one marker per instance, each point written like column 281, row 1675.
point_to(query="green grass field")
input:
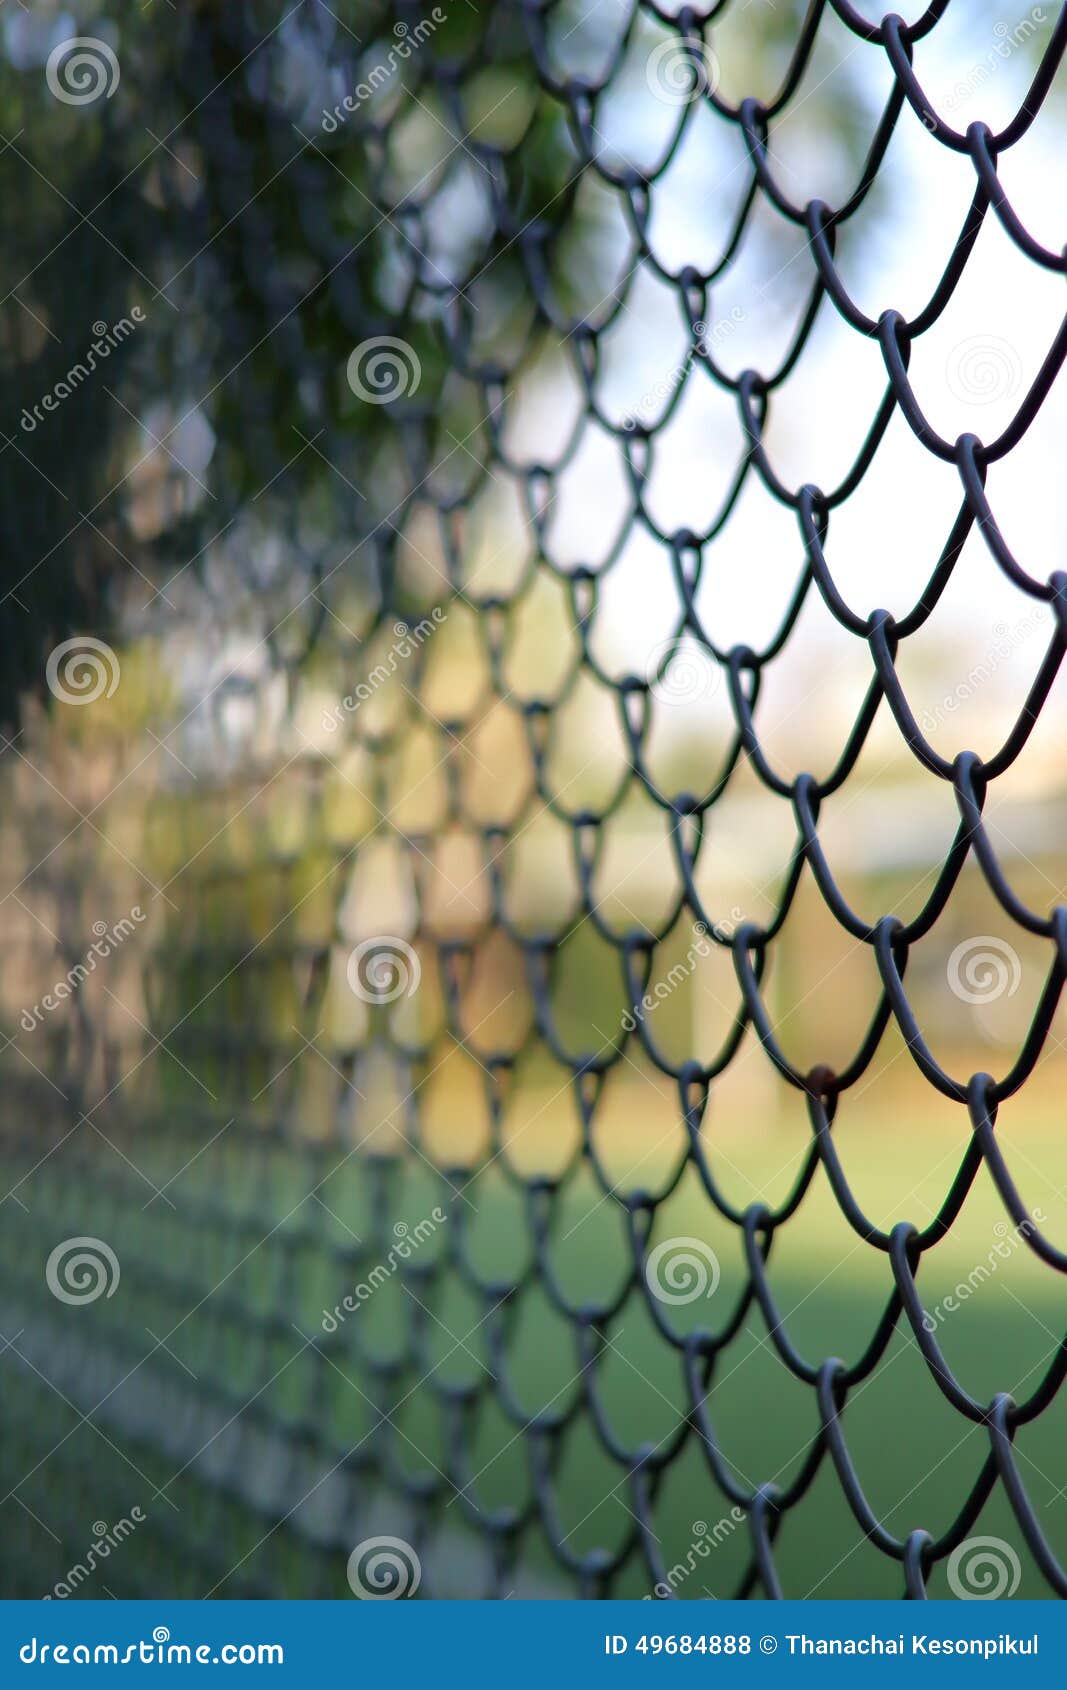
column 915, row 1455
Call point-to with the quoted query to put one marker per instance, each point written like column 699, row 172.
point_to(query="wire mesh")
column 374, row 862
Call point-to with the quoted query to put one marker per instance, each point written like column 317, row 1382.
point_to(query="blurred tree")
column 223, row 181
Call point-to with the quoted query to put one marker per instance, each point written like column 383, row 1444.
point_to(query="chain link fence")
column 504, row 874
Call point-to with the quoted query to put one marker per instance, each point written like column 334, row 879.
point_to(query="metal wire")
column 259, row 1474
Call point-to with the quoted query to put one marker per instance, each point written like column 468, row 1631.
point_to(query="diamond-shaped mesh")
column 536, row 850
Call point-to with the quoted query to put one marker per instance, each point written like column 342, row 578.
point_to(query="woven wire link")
column 309, row 1151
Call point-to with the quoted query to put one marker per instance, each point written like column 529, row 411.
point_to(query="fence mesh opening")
column 533, row 843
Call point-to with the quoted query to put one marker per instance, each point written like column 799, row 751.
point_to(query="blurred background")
column 379, row 517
